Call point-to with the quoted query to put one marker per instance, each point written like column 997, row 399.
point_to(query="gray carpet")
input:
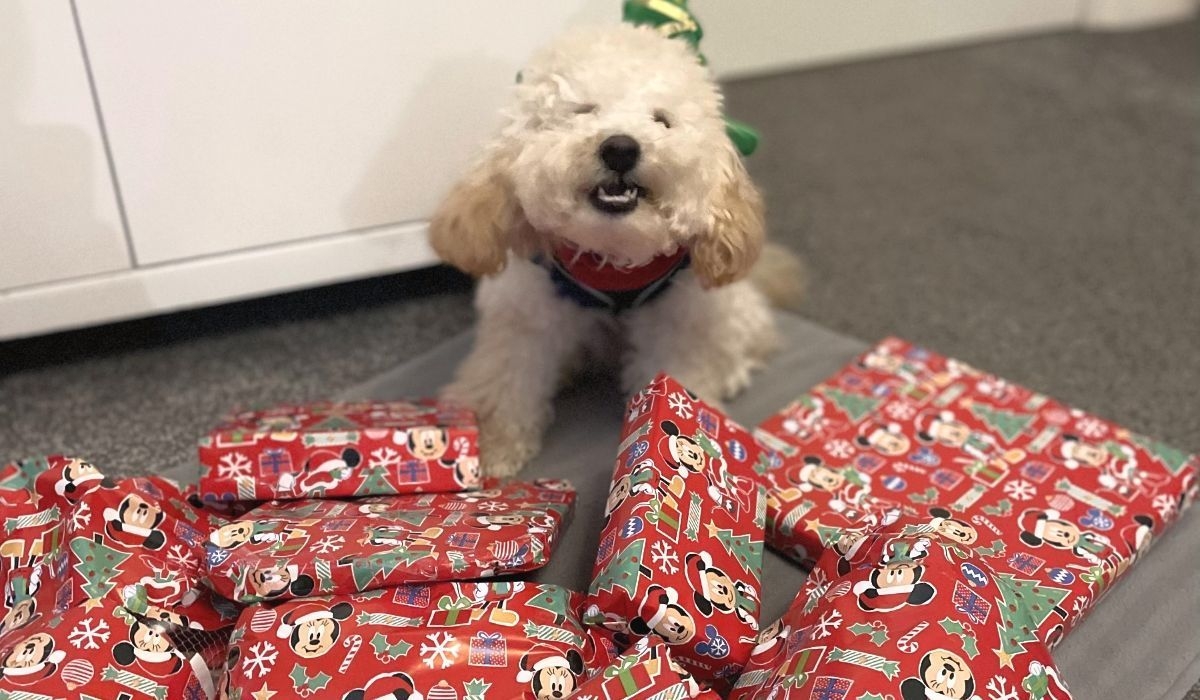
column 1030, row 206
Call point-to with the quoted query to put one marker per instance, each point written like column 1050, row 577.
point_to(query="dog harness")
column 586, row 279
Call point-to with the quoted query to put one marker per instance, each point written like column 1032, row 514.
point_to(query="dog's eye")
column 662, row 118
column 583, row 109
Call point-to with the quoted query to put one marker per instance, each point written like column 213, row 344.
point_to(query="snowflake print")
column 89, row 635
column 662, row 555
column 839, row 448
column 830, row 620
column 261, row 658
column 815, row 586
column 1020, row 490
column 679, row 403
column 233, row 465
column 329, row 544
column 384, row 457
column 443, row 648
column 181, row 558
column 492, row 506
column 1166, row 505
column 898, row 410
column 1091, row 427
column 1080, row 608
column 998, row 689
column 81, row 517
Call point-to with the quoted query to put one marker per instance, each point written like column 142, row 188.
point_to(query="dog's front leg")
column 525, row 337
column 710, row 340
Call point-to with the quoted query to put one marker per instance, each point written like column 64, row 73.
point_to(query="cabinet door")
column 241, row 124
column 58, row 212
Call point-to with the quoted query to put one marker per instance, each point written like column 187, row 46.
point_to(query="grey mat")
column 1143, row 642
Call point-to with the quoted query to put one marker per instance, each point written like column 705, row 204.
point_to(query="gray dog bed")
column 1142, row 642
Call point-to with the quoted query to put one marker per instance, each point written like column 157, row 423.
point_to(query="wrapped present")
column 288, row 549
column 646, row 672
column 325, row 450
column 519, row 640
column 991, row 469
column 681, row 551
column 107, row 650
column 901, row 617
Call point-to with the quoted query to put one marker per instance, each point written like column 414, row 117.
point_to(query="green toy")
column 674, row 20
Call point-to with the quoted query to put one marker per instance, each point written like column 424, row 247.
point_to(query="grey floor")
column 1030, row 206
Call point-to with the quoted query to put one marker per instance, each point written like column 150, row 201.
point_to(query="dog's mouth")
column 616, row 197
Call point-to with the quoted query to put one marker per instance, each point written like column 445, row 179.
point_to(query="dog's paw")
column 506, row 446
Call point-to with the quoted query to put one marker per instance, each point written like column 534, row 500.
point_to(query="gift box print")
column 990, row 467
column 327, row 449
column 290, row 549
column 681, row 551
column 895, row 615
column 449, row 640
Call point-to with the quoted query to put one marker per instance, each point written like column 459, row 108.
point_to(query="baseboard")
column 155, row 289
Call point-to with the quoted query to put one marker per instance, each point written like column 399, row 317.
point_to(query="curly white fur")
column 533, row 189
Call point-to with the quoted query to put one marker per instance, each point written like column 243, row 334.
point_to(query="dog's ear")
column 726, row 252
column 480, row 219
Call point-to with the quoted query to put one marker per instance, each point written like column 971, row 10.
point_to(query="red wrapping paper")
column 991, row 469
column 326, row 449
column 646, row 672
column 290, row 549
column 681, row 551
column 895, row 615
column 101, row 586
column 441, row 641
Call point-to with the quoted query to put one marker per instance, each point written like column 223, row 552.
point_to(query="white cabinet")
column 58, row 215
column 247, row 124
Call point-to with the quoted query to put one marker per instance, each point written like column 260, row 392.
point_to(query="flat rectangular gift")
column 460, row 641
column 890, row 614
column 990, row 467
column 681, row 550
column 288, row 549
column 328, row 449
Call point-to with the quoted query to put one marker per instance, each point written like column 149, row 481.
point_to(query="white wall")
column 276, row 144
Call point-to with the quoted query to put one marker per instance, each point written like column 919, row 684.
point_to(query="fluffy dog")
column 612, row 203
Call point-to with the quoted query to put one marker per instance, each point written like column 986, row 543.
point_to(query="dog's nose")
column 620, row 152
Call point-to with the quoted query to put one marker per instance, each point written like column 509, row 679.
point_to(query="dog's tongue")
column 591, row 270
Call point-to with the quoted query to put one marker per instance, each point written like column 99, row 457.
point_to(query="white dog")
column 612, row 201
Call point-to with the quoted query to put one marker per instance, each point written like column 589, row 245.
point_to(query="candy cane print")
column 353, row 642
column 982, row 520
column 906, row 643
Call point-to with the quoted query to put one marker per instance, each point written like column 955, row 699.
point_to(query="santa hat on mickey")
column 652, row 609
column 871, row 427
column 393, row 685
column 887, row 598
column 928, row 423
column 1137, row 535
column 540, row 657
column 329, row 460
column 132, row 535
column 60, row 486
column 697, row 564
column 1065, row 450
column 672, row 443
column 307, row 612
column 1033, row 524
column 43, row 669
column 811, row 462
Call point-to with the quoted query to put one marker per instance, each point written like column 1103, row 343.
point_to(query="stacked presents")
column 955, row 526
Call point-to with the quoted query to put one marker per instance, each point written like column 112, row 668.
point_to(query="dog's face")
column 615, row 146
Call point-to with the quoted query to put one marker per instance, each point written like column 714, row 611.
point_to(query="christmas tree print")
column 622, row 570
column 24, row 473
column 1025, row 606
column 364, row 569
column 856, row 406
column 97, row 564
column 374, row 481
column 1173, row 459
column 1007, row 423
column 747, row 552
column 553, row 600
